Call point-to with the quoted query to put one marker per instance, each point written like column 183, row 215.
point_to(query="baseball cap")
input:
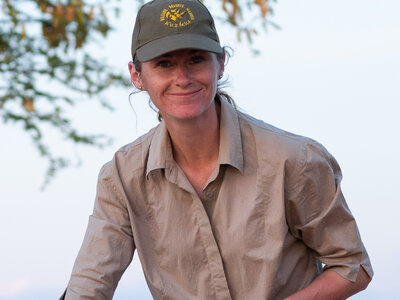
column 163, row 26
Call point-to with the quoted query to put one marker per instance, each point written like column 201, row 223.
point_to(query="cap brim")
column 167, row 44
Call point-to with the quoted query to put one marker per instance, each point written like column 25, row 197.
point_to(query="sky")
column 332, row 73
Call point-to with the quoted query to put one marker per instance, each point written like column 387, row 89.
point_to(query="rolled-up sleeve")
column 319, row 215
column 108, row 245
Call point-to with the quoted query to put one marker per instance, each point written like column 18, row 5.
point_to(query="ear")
column 135, row 76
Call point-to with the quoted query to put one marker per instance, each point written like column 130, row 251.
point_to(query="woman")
column 217, row 204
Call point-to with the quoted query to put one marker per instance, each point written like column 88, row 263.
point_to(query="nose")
column 182, row 75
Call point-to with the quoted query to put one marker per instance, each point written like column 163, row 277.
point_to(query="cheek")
column 148, row 78
column 212, row 79
column 152, row 84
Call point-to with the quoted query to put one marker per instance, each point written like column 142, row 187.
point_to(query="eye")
column 164, row 63
column 197, row 59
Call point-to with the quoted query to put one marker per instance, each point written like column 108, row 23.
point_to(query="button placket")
column 214, row 257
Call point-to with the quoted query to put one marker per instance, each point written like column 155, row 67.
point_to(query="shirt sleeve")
column 318, row 214
column 108, row 245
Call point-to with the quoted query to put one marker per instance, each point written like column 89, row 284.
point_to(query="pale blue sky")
column 332, row 73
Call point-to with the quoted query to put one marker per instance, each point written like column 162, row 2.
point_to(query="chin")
column 190, row 112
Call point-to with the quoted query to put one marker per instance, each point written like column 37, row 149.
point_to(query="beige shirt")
column 269, row 215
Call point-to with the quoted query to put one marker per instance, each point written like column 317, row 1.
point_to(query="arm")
column 319, row 216
column 108, row 246
column 330, row 285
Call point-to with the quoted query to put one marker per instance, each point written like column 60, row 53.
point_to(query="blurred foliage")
column 45, row 67
column 247, row 17
column 45, row 64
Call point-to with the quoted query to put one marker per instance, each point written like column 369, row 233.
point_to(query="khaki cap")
column 163, row 26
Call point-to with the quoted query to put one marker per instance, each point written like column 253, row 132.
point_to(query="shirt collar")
column 160, row 152
column 230, row 145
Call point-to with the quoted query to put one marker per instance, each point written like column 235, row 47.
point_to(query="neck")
column 195, row 146
column 196, row 142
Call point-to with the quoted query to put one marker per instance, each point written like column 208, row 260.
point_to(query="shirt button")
column 209, row 194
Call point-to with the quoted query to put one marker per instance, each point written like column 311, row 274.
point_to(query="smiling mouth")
column 185, row 94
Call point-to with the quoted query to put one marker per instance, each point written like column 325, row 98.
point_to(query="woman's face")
column 182, row 84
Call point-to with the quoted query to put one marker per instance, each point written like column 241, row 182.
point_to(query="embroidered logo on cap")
column 176, row 15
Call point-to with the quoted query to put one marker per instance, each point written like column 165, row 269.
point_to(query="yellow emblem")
column 176, row 15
